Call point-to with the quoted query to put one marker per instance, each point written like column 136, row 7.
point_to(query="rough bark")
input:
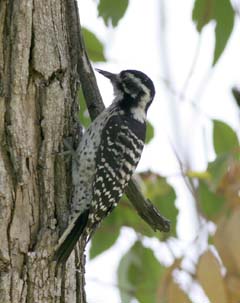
column 38, row 85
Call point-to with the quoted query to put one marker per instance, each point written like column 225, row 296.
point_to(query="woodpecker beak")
column 110, row 76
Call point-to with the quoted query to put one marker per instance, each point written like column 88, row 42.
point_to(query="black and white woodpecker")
column 107, row 156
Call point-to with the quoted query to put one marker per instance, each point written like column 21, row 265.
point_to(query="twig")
column 192, row 68
column 95, row 105
column 188, row 182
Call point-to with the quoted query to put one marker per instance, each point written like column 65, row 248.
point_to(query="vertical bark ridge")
column 38, row 90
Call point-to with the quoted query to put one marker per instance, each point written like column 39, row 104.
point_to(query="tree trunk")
column 38, row 85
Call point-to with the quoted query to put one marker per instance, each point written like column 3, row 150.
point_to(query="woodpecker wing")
column 122, row 141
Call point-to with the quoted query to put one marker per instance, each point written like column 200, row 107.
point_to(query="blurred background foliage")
column 216, row 193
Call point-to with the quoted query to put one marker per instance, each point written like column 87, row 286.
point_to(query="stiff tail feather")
column 70, row 237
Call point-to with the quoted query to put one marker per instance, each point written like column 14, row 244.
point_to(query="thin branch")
column 95, row 105
column 190, row 101
column 188, row 182
column 182, row 169
column 192, row 68
column 146, row 210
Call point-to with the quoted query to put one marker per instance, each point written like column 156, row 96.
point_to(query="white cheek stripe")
column 139, row 112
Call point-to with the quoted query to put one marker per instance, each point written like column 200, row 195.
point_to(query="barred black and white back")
column 107, row 156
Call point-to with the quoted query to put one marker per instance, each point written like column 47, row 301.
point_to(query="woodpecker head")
column 134, row 91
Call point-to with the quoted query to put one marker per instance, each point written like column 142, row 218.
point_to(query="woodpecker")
column 107, row 156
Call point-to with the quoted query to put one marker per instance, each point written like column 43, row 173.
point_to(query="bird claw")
column 68, row 145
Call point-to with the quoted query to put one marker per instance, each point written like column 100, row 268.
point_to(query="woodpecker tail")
column 70, row 237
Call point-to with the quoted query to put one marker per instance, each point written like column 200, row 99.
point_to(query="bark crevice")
column 38, row 102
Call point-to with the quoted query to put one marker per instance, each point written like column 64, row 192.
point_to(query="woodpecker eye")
column 130, row 84
column 130, row 87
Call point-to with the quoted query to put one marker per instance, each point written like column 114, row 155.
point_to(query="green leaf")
column 224, row 16
column 149, row 133
column 202, row 13
column 224, row 138
column 94, row 46
column 125, row 287
column 210, row 203
column 222, row 13
column 236, row 95
column 83, row 113
column 132, row 219
column 112, row 11
column 139, row 275
column 162, row 194
column 105, row 236
column 204, row 175
column 217, row 169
